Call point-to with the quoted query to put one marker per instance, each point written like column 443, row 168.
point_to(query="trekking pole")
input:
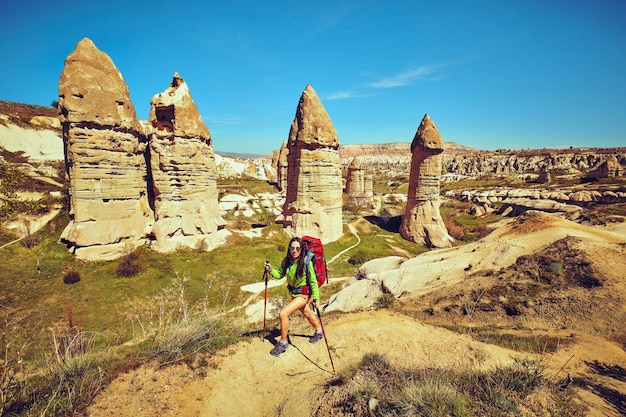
column 325, row 339
column 265, row 275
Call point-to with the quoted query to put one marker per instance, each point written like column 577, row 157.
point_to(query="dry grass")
column 375, row 387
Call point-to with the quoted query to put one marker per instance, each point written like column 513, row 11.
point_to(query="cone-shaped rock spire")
column 422, row 221
column 92, row 89
column 182, row 162
column 359, row 186
column 175, row 110
column 313, row 202
column 101, row 136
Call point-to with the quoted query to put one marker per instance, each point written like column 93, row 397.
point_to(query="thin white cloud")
column 425, row 72
column 329, row 18
column 341, row 95
column 217, row 121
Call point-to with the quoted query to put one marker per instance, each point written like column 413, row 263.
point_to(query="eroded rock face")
column 183, row 172
column 131, row 181
column 359, row 185
column 422, row 222
column 281, row 167
column 313, row 203
column 610, row 168
column 104, row 155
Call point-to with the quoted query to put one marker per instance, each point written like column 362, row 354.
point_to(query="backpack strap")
column 307, row 262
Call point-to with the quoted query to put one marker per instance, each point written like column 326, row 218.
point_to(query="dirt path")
column 358, row 238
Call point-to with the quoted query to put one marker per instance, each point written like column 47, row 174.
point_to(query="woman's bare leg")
column 311, row 317
column 297, row 303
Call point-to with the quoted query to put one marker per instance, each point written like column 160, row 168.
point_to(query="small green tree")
column 10, row 178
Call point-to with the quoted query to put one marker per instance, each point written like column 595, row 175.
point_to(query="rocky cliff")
column 459, row 161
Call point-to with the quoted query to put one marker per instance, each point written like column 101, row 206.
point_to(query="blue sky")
column 511, row 74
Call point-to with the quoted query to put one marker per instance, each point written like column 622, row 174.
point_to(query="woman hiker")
column 292, row 267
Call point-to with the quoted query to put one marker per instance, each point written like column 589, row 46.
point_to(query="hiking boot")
column 316, row 337
column 279, row 348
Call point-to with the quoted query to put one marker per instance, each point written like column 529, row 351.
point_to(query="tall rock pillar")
column 183, row 171
column 313, row 204
column 422, row 221
column 359, row 186
column 104, row 157
column 281, row 167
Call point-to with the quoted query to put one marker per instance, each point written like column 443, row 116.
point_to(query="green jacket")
column 297, row 282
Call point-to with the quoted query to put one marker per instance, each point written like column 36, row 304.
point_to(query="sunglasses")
column 295, row 248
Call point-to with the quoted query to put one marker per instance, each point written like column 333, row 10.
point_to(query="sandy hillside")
column 245, row 380
column 248, row 381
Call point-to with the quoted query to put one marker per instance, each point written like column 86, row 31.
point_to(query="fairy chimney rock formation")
column 422, row 222
column 281, row 167
column 313, row 203
column 104, row 157
column 183, row 171
column 610, row 168
column 359, row 188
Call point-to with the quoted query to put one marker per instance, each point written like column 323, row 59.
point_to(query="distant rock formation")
column 422, row 221
column 183, row 171
column 281, row 167
column 313, row 204
column 544, row 176
column 104, row 157
column 610, row 168
column 359, row 185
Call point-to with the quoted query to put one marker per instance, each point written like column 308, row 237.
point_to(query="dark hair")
column 288, row 259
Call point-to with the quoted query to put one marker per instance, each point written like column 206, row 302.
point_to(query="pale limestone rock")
column 522, row 205
column 359, row 186
column 422, row 221
column 435, row 269
column 92, row 91
column 182, row 163
column 266, row 169
column 104, row 154
column 610, row 168
column 313, row 204
column 281, row 167
column 544, row 176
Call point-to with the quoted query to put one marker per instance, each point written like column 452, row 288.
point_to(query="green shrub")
column 130, row 265
column 358, row 258
column 386, row 300
column 71, row 277
column 436, row 398
column 454, row 229
column 481, row 231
